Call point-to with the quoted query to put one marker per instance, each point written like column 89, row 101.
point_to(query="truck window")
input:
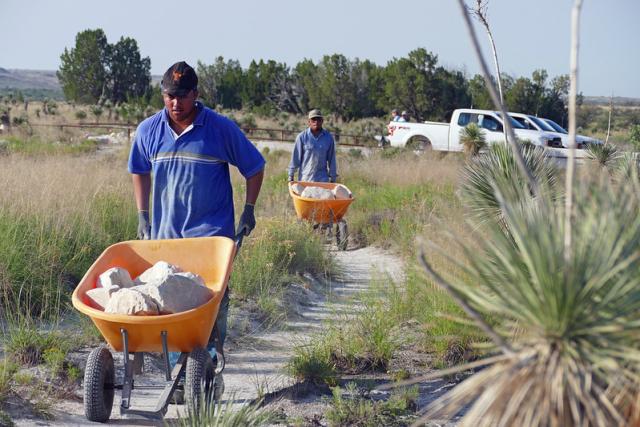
column 491, row 124
column 465, row 118
column 522, row 121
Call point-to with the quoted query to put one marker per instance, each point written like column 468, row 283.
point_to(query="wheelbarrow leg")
column 138, row 363
column 127, row 385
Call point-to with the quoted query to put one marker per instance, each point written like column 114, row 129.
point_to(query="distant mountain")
column 36, row 84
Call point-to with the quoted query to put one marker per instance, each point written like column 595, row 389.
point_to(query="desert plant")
column 634, row 136
column 604, row 154
column 574, row 358
column 218, row 414
column 80, row 114
column 473, row 139
column 499, row 163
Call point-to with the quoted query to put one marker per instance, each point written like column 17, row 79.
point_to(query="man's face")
column 315, row 124
column 180, row 108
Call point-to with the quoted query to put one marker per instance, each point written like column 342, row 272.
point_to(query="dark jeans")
column 221, row 322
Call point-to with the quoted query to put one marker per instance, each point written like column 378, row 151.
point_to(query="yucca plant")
column 499, row 163
column 473, row 139
column 575, row 356
column 604, row 154
column 218, row 414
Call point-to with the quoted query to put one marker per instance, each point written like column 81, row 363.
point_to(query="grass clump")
column 275, row 252
column 312, row 362
column 29, row 346
column 7, row 371
column 218, row 414
column 359, row 410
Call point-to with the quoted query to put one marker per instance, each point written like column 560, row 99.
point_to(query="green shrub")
column 81, row 114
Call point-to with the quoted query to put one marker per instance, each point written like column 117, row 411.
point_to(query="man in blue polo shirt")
column 183, row 154
column 314, row 153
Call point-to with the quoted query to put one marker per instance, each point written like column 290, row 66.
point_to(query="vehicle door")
column 494, row 130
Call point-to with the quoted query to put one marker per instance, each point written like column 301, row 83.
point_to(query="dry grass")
column 59, row 187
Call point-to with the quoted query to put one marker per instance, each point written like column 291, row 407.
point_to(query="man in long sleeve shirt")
column 314, row 154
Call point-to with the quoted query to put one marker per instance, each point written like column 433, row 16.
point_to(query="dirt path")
column 255, row 360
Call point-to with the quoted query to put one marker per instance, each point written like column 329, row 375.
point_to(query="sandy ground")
column 255, row 359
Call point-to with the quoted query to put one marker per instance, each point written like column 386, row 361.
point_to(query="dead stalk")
column 573, row 90
column 511, row 136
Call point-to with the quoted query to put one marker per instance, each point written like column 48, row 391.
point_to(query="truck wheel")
column 419, row 143
column 99, row 380
column 198, row 382
column 342, row 235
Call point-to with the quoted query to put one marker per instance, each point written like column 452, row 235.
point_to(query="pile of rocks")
column 339, row 192
column 162, row 289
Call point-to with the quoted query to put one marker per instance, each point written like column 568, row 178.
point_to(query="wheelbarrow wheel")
column 342, row 235
column 198, row 382
column 99, row 379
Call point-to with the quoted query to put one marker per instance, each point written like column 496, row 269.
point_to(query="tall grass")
column 56, row 215
column 275, row 252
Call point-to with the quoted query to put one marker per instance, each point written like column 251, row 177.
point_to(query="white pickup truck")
column 446, row 136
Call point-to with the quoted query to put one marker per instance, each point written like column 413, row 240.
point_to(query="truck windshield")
column 543, row 125
column 514, row 123
column 556, row 126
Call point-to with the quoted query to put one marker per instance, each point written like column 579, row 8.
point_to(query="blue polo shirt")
column 191, row 185
column 314, row 156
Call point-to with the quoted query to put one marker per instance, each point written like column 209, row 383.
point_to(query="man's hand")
column 247, row 220
column 144, row 227
column 290, row 178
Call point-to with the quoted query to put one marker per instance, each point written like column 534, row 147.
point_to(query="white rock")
column 159, row 272
column 193, row 276
column 98, row 298
column 130, row 301
column 319, row 193
column 176, row 293
column 341, row 192
column 297, row 188
column 113, row 279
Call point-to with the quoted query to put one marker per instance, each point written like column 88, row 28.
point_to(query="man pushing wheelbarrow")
column 181, row 156
column 314, row 157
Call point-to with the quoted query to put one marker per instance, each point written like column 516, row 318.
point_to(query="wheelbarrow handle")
column 238, row 241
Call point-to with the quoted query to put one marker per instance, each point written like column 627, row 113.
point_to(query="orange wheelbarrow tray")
column 325, row 212
column 186, row 332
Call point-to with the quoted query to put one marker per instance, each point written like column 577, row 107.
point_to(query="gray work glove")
column 144, row 227
column 247, row 220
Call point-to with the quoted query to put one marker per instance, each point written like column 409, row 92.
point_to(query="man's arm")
column 254, row 184
column 248, row 220
column 296, row 158
column 141, row 191
column 333, row 174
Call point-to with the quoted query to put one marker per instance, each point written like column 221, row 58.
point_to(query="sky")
column 529, row 35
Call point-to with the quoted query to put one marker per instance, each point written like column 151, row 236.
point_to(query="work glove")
column 247, row 220
column 290, row 178
column 144, row 227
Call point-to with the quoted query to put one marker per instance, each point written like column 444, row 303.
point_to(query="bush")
column 80, row 114
column 634, row 136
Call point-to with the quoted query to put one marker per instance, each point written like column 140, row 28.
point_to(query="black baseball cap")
column 179, row 79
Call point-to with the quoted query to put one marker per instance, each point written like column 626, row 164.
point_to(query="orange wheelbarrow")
column 326, row 213
column 186, row 332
